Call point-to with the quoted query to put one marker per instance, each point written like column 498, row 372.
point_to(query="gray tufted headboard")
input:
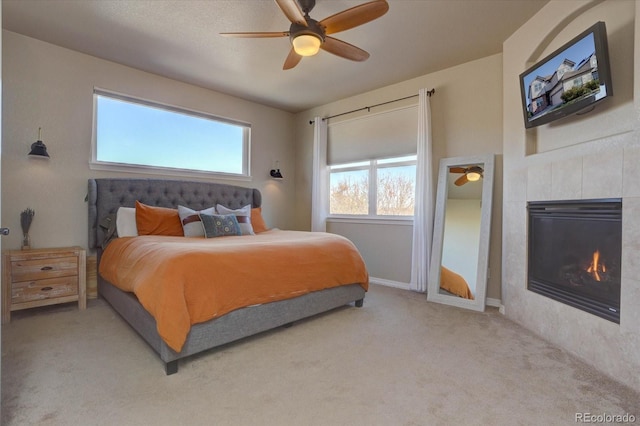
column 106, row 195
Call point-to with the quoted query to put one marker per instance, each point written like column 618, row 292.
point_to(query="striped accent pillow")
column 190, row 220
column 243, row 215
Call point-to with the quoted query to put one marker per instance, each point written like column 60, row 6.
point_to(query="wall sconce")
column 275, row 173
column 38, row 148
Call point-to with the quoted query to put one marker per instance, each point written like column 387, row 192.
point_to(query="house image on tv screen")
column 568, row 83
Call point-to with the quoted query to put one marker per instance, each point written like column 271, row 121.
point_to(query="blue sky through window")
column 138, row 134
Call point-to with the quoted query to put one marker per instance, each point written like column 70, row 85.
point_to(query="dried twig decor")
column 26, row 217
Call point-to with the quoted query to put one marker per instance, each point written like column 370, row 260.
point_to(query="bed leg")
column 171, row 367
column 359, row 303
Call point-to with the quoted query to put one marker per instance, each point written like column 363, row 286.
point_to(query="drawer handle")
column 46, row 288
column 46, row 268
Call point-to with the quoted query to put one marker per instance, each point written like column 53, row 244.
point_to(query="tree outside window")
column 374, row 188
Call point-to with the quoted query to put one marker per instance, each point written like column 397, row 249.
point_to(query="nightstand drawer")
column 28, row 291
column 37, row 269
column 42, row 277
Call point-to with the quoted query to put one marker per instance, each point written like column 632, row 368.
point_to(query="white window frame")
column 372, row 166
column 94, row 164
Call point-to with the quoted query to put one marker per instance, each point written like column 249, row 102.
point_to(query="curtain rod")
column 368, row 108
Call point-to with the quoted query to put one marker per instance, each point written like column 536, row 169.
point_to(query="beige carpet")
column 398, row 361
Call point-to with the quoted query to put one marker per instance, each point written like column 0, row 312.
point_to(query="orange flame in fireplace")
column 596, row 267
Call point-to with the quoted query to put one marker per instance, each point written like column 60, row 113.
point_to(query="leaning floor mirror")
column 461, row 232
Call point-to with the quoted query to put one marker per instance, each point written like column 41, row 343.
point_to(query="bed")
column 259, row 313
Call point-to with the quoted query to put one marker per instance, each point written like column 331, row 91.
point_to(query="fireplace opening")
column 575, row 248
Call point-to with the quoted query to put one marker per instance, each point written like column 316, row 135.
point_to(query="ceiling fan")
column 471, row 174
column 308, row 35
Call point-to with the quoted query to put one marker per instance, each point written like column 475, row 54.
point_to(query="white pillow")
column 190, row 220
column 126, row 222
column 243, row 215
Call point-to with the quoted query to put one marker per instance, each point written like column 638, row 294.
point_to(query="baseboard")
column 496, row 303
column 389, row 283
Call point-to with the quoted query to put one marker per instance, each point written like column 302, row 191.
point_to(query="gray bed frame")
column 105, row 196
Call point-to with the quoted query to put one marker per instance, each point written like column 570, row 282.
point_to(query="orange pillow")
column 157, row 221
column 257, row 221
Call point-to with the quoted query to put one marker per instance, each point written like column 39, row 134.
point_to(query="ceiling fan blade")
column 257, row 34
column 355, row 16
column 292, row 60
column 457, row 170
column 292, row 11
column 461, row 180
column 344, row 49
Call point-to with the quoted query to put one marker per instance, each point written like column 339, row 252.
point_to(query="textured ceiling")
column 180, row 39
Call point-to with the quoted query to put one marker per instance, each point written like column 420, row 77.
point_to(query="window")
column 373, row 188
column 150, row 137
column 396, row 186
column 349, row 189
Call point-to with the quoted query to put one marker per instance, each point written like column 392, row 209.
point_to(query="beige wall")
column 51, row 87
column 595, row 155
column 466, row 119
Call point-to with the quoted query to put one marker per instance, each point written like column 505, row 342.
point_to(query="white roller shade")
column 383, row 135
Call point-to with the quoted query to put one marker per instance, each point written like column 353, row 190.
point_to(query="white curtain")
column 320, row 178
column 423, row 215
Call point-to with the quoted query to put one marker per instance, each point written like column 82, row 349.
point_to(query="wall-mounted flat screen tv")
column 569, row 80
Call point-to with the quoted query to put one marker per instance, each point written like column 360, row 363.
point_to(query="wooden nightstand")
column 42, row 277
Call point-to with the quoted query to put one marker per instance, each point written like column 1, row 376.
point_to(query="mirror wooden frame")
column 433, row 288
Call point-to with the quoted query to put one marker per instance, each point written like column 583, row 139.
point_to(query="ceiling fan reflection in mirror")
column 308, row 36
column 471, row 174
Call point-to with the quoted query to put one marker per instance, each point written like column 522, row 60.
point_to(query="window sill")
column 126, row 168
column 380, row 220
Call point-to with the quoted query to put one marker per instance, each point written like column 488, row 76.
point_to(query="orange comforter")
column 183, row 281
column 454, row 283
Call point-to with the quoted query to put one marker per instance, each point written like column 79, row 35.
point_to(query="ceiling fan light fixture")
column 306, row 44
column 473, row 176
column 308, row 36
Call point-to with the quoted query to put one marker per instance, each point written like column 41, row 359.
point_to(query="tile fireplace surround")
column 589, row 157
column 611, row 348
